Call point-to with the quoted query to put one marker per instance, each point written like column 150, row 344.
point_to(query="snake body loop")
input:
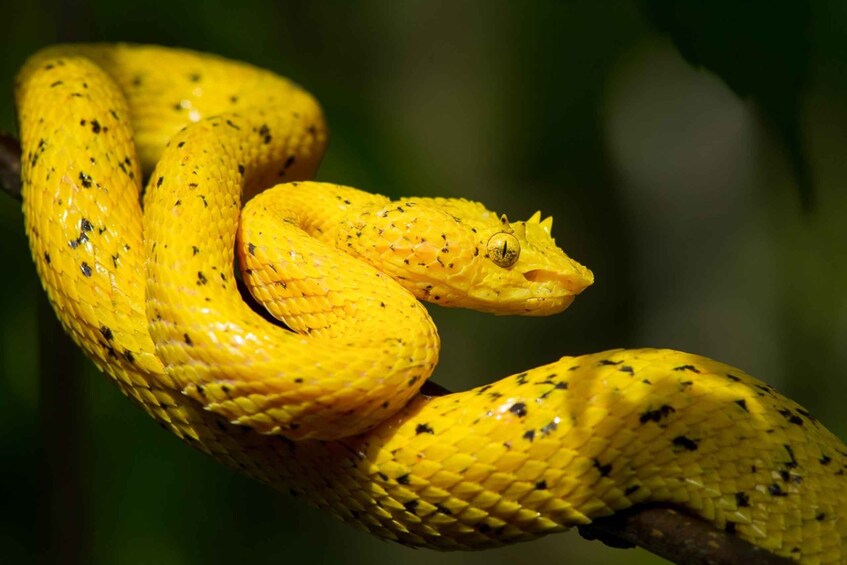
column 331, row 410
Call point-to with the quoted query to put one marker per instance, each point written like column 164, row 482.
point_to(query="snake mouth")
column 572, row 283
column 540, row 276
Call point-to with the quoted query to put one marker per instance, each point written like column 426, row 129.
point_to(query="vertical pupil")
column 505, row 247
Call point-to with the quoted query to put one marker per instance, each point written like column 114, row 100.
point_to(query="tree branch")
column 663, row 530
column 676, row 536
column 63, row 524
column 10, row 165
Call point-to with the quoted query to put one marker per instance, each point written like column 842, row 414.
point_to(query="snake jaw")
column 554, row 291
column 574, row 282
column 534, row 291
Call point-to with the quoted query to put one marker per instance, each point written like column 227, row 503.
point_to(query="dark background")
column 685, row 199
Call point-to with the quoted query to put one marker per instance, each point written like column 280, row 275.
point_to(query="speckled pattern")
column 332, row 413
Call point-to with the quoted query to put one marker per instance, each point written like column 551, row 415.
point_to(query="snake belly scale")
column 332, row 410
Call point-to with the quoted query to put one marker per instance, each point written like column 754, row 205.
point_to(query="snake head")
column 457, row 253
column 523, row 271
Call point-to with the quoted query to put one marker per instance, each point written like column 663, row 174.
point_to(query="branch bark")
column 676, row 536
column 662, row 530
column 10, row 165
column 63, row 519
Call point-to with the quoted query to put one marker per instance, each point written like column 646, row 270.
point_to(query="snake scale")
column 331, row 409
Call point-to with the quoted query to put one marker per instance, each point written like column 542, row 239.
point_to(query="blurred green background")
column 681, row 196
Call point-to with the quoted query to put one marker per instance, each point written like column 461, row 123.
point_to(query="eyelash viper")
column 333, row 412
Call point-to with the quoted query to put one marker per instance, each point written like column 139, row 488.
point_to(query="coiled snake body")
column 331, row 411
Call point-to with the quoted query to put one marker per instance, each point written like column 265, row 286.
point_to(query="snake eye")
column 504, row 249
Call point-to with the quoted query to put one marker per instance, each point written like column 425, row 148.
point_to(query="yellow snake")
column 332, row 410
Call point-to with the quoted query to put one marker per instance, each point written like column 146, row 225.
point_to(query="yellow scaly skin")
column 538, row 452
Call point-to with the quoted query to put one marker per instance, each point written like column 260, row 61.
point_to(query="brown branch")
column 65, row 519
column 665, row 531
column 10, row 165
column 676, row 536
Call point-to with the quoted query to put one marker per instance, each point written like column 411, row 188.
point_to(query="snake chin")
column 546, row 293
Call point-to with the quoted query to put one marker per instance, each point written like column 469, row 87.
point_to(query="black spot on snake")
column 518, row 408
column 684, row 442
column 110, row 350
column 775, row 490
column 807, row 414
column 85, row 180
column 423, row 429
column 549, row 428
column 792, row 463
column 74, row 243
column 265, row 133
column 656, row 415
column 604, row 469
column 791, row 417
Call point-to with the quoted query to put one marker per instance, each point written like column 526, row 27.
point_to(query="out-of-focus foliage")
column 759, row 48
column 662, row 180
